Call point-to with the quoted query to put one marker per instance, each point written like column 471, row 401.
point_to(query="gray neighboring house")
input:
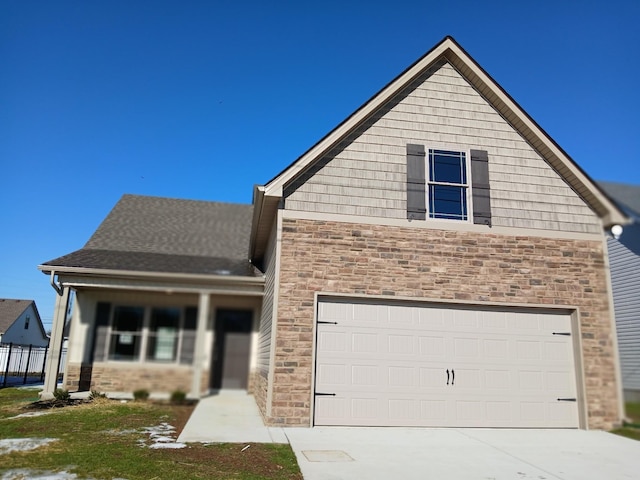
column 20, row 323
column 624, row 258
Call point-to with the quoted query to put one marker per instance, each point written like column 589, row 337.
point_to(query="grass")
column 102, row 440
column 631, row 429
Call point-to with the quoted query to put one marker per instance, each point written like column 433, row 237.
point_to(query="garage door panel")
column 399, row 368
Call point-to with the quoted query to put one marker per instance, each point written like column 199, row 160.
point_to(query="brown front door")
column 232, row 349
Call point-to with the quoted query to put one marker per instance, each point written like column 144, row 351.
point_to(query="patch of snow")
column 23, row 474
column 115, row 431
column 168, row 445
column 23, row 444
column 31, row 414
column 161, row 436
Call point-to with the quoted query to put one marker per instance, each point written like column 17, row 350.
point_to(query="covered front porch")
column 155, row 332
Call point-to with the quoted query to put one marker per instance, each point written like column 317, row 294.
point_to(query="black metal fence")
column 24, row 364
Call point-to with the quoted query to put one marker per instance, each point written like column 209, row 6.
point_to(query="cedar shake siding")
column 366, row 174
column 416, row 263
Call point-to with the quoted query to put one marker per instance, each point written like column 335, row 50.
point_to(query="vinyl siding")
column 266, row 319
column 366, row 174
column 625, row 279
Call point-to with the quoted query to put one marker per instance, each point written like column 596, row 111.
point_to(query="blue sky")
column 204, row 99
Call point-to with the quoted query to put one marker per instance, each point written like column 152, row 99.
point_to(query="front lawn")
column 106, row 439
column 631, row 429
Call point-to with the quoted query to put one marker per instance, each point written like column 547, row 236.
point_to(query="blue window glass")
column 447, row 167
column 446, row 201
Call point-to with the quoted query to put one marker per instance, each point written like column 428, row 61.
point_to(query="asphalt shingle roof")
column 155, row 234
column 10, row 310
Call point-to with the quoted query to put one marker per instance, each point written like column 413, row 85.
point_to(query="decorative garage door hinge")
column 567, row 400
column 325, row 394
column 332, row 323
column 566, row 334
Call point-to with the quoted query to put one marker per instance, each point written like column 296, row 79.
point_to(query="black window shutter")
column 103, row 313
column 189, row 335
column 480, row 187
column 416, row 193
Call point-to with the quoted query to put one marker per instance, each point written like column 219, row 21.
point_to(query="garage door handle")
column 453, row 376
column 325, row 394
column 567, row 399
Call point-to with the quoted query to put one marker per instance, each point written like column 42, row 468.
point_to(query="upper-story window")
column 447, row 185
column 26, row 322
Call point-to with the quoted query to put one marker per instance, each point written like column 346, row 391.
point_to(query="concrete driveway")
column 328, row 453
column 346, row 453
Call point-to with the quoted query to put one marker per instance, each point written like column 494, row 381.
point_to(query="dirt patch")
column 49, row 404
column 181, row 414
column 228, row 460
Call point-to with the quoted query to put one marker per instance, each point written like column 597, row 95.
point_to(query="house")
column 20, row 323
column 624, row 258
column 435, row 260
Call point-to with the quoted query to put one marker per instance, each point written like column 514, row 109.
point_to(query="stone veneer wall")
column 323, row 256
column 258, row 385
column 128, row 378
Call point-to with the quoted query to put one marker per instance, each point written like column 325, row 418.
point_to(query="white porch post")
column 55, row 345
column 199, row 354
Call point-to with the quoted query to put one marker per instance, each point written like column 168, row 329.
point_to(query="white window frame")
column 466, row 186
column 144, row 334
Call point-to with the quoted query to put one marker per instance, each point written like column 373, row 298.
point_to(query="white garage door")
column 409, row 365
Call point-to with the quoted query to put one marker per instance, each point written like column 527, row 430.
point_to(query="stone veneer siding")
column 258, row 388
column 336, row 257
column 129, row 378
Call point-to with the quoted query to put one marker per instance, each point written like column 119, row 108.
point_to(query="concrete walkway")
column 229, row 416
column 345, row 453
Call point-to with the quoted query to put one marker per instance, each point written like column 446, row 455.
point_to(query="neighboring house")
column 20, row 323
column 435, row 260
column 624, row 258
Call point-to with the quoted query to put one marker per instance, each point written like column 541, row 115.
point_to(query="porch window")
column 164, row 328
column 147, row 334
column 126, row 333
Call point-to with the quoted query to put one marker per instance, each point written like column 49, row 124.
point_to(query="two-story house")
column 435, row 260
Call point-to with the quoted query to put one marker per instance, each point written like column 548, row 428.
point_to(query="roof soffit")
column 450, row 50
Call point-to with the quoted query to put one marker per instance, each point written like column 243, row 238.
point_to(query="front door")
column 232, row 349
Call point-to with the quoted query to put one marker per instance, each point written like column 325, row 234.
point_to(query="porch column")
column 55, row 345
column 199, row 354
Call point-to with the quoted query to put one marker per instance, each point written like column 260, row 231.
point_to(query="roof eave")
column 264, row 214
column 140, row 275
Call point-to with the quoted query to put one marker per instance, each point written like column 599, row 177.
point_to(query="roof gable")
column 12, row 309
column 447, row 50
